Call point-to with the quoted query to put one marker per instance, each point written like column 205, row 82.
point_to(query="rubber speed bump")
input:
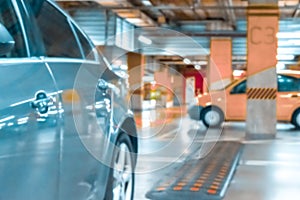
column 205, row 179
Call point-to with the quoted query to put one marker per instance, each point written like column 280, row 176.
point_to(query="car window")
column 33, row 38
column 85, row 44
column 57, row 34
column 8, row 18
column 288, row 83
column 240, row 88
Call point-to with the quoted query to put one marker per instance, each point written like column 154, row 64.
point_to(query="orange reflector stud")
column 181, row 184
column 214, row 187
column 211, row 191
column 204, row 177
column 216, row 183
column 198, row 184
column 222, row 173
column 177, row 188
column 194, row 189
column 220, row 176
column 218, row 179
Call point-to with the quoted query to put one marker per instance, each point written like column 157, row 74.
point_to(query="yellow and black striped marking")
column 262, row 93
column 205, row 178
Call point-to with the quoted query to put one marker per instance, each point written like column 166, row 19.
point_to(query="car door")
column 236, row 101
column 29, row 117
column 77, row 70
column 288, row 96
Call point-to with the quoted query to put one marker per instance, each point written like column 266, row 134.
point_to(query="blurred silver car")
column 65, row 129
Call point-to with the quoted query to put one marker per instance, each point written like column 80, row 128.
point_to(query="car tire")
column 296, row 118
column 212, row 117
column 121, row 177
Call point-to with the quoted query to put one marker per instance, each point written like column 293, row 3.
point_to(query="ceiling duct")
column 218, row 26
column 136, row 17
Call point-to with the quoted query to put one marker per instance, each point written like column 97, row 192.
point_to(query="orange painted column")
column 136, row 63
column 220, row 63
column 261, row 69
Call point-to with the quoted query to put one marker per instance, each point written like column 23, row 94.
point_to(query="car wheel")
column 121, row 177
column 212, row 116
column 296, row 119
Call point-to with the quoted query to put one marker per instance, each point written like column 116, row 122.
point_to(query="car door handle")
column 41, row 102
column 294, row 96
column 102, row 85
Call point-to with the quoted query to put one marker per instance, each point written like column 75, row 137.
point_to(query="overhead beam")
column 289, row 7
column 209, row 34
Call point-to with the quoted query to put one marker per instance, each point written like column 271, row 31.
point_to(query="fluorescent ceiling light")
column 197, row 67
column 134, row 20
column 285, row 57
column 144, row 40
column 187, row 61
column 238, row 72
column 288, row 35
column 146, row 3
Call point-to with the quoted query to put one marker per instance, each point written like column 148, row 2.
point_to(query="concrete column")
column 136, row 63
column 261, row 69
column 220, row 64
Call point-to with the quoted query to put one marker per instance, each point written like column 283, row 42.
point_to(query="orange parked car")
column 230, row 103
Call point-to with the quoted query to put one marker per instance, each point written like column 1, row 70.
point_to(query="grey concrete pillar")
column 261, row 69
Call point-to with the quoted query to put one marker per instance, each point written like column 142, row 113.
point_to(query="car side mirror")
column 7, row 42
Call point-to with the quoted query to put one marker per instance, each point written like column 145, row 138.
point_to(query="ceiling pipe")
column 289, row 7
column 229, row 13
column 196, row 4
column 224, row 11
column 136, row 17
column 161, row 17
column 234, row 34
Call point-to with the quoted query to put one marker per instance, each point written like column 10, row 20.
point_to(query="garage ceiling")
column 198, row 20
